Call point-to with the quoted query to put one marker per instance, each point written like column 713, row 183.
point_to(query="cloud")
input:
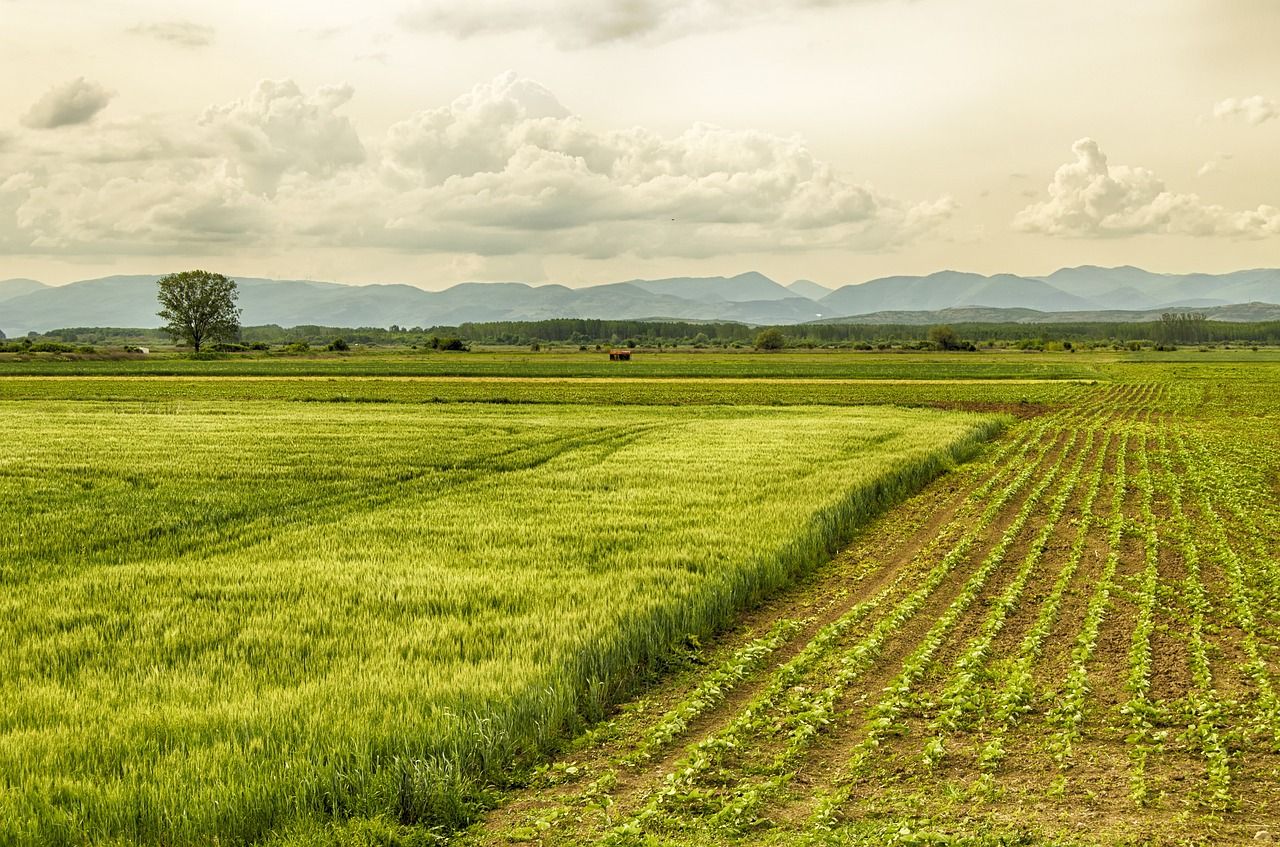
column 504, row 169
column 584, row 23
column 181, row 33
column 158, row 208
column 74, row 102
column 277, row 129
column 1255, row 110
column 508, row 157
column 1092, row 198
column 1215, row 164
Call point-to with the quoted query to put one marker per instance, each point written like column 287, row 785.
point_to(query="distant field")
column 1016, row 395
column 220, row 620
column 821, row 364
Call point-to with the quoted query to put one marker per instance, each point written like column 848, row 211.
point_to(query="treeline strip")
column 1177, row 328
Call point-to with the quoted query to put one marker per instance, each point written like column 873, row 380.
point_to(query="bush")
column 338, row 345
column 259, row 345
column 297, row 347
column 226, row 347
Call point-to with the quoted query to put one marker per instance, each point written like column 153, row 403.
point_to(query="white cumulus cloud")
column 506, row 168
column 74, row 102
column 1254, row 110
column 278, row 129
column 508, row 156
column 1090, row 197
column 160, row 206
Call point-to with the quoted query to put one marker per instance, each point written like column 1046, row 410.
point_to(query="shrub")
column 297, row 347
column 338, row 345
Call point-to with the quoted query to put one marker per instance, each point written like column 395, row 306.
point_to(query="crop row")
column 965, row 693
column 1068, row 716
column 1204, row 711
column 1141, row 713
column 1243, row 612
column 801, row 710
column 883, row 718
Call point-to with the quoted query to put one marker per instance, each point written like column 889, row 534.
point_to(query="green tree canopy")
column 199, row 307
column 771, row 339
column 944, row 337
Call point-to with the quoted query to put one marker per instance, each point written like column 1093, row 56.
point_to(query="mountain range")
column 753, row 298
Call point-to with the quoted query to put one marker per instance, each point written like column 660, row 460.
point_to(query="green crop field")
column 221, row 619
column 809, row 598
column 814, row 364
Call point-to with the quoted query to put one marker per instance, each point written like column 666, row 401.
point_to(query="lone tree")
column 944, row 337
column 199, row 306
column 771, row 339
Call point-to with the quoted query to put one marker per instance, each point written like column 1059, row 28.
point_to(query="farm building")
column 619, row 355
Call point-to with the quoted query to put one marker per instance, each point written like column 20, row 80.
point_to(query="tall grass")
column 220, row 620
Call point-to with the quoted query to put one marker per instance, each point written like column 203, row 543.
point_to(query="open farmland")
column 316, row 608
column 1071, row 641
column 226, row 620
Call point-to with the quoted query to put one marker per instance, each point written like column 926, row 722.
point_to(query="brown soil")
column 1089, row 799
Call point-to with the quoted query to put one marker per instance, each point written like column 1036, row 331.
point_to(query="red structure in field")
column 619, row 355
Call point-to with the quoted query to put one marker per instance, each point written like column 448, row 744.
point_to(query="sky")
column 581, row 142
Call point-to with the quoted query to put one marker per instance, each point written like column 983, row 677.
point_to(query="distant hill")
column 131, row 301
column 753, row 298
column 1238, row 313
column 1133, row 288
column 10, row 288
column 717, row 289
column 947, row 289
column 808, row 288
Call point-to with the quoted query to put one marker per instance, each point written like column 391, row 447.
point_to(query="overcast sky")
column 431, row 142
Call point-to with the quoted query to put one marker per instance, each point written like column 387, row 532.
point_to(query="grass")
column 221, row 620
column 812, row 364
column 1017, row 396
column 360, row 601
